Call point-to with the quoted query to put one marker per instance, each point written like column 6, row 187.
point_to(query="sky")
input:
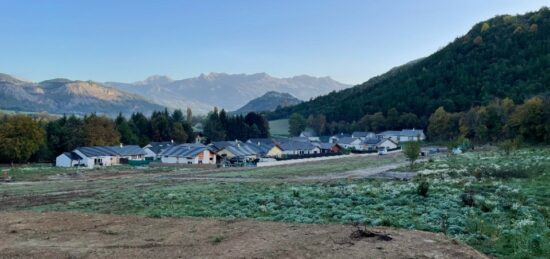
column 129, row 40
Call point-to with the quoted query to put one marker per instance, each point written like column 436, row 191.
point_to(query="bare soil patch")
column 74, row 235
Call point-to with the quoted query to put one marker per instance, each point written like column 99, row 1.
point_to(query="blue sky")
column 127, row 41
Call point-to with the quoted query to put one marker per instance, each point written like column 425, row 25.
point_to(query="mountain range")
column 202, row 93
column 63, row 96
column 269, row 102
column 228, row 91
column 503, row 57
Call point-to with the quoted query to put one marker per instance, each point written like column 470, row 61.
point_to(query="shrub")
column 467, row 199
column 422, row 188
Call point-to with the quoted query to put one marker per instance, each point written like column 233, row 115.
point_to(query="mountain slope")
column 506, row 56
column 66, row 96
column 269, row 102
column 229, row 91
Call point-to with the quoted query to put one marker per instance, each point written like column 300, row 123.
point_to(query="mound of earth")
column 74, row 235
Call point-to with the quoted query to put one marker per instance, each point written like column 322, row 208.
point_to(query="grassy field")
column 279, row 128
column 497, row 203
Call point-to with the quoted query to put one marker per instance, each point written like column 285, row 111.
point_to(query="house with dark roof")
column 68, row 159
column 335, row 138
column 290, row 147
column 263, row 144
column 188, row 154
column 403, row 135
column 310, row 135
column 412, row 135
column 350, row 143
column 242, row 151
column 329, row 148
column 153, row 149
column 91, row 157
column 363, row 135
column 379, row 144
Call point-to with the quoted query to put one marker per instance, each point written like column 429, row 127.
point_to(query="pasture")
column 496, row 203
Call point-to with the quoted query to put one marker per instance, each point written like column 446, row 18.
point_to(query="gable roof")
column 341, row 135
column 412, row 132
column 308, row 134
column 362, row 134
column 346, row 140
column 265, row 141
column 184, row 150
column 97, row 151
column 372, row 141
column 390, row 133
column 326, row 145
column 129, row 150
column 295, row 145
column 72, row 155
column 243, row 149
column 219, row 145
column 157, row 147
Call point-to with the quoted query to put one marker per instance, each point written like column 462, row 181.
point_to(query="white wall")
column 63, row 161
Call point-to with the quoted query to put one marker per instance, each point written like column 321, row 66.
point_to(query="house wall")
column 274, row 152
column 388, row 144
column 149, row 153
column 206, row 157
column 64, row 161
column 226, row 152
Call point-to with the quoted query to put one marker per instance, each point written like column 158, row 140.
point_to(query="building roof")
column 326, row 145
column 97, row 151
column 300, row 139
column 219, row 145
column 390, row 133
column 129, row 150
column 184, row 150
column 243, row 149
column 362, row 134
column 72, row 155
column 263, row 145
column 372, row 141
column 295, row 145
column 157, row 147
column 341, row 135
column 412, row 132
column 308, row 134
column 346, row 140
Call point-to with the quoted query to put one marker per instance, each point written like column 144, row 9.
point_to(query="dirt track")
column 72, row 235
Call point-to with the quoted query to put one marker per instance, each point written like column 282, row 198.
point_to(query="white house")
column 310, row 135
column 378, row 144
column 298, row 148
column 188, row 154
column 351, row 143
column 91, row 157
column 335, row 138
column 68, row 159
column 411, row 135
column 153, row 149
column 363, row 135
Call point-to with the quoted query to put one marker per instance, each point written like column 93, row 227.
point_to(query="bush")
column 422, row 188
column 467, row 199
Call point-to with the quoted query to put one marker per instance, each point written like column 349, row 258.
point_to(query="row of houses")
column 223, row 152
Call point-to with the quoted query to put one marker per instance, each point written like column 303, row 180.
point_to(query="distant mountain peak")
column 269, row 102
column 155, row 79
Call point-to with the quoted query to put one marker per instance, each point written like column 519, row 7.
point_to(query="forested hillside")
column 506, row 56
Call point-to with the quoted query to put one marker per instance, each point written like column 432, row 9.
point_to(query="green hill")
column 506, row 56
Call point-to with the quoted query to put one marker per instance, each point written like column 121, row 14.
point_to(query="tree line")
column 221, row 126
column 501, row 120
column 376, row 122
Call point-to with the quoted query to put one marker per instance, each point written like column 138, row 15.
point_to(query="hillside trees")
column 20, row 138
column 503, row 63
column 100, row 131
column 296, row 124
column 220, row 126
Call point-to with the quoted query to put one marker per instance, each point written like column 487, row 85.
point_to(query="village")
column 251, row 152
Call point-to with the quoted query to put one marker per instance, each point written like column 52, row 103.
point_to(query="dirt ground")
column 73, row 235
